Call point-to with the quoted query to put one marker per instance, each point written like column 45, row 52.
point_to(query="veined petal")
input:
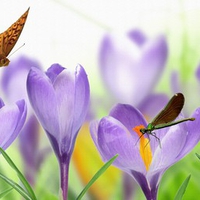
column 64, row 86
column 12, row 118
column 193, row 135
column 22, row 116
column 128, row 116
column 72, row 96
column 113, row 138
column 53, row 71
column 82, row 96
column 43, row 100
column 171, row 146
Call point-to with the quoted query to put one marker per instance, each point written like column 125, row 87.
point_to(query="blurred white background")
column 69, row 32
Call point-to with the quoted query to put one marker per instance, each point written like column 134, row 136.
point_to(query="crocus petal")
column 64, row 87
column 193, row 135
column 43, row 100
column 171, row 146
column 53, row 71
column 111, row 138
column 128, row 116
column 137, row 36
column 12, row 119
column 81, row 96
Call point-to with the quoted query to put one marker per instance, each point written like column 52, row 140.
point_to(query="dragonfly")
column 166, row 117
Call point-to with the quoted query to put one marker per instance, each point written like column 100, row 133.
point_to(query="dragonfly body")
column 167, row 116
column 150, row 127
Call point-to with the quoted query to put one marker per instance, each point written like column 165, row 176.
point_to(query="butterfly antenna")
column 16, row 50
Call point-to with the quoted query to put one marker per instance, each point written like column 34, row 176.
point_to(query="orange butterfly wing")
column 9, row 38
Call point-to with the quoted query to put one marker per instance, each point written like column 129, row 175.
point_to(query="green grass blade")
column 182, row 189
column 19, row 174
column 15, row 186
column 198, row 156
column 5, row 192
column 96, row 176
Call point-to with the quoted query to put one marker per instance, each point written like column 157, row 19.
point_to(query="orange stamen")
column 145, row 148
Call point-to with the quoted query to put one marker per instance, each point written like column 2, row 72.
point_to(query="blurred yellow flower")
column 87, row 162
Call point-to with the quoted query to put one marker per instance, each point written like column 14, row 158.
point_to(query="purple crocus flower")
column 142, row 158
column 14, row 87
column 60, row 99
column 131, row 65
column 12, row 120
column 14, row 77
column 33, row 155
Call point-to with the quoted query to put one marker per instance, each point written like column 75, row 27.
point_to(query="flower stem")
column 152, row 195
column 64, row 168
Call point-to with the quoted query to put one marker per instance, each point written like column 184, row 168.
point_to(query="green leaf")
column 198, row 156
column 5, row 192
column 19, row 174
column 96, row 176
column 16, row 187
column 182, row 189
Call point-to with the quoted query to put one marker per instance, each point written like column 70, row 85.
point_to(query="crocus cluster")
column 143, row 157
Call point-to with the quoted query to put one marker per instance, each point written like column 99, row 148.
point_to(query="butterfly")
column 9, row 38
